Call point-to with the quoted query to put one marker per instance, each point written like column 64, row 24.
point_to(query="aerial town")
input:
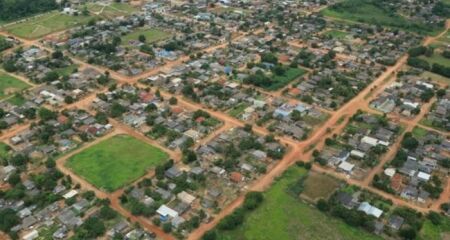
column 224, row 119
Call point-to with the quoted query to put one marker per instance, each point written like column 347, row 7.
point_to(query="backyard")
column 111, row 165
column 282, row 216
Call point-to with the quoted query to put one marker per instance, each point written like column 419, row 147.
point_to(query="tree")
column 107, row 213
column 173, row 101
column 322, row 205
column 57, row 55
column 167, row 227
column 435, row 218
column 408, row 233
column 68, row 99
column 189, row 156
column 142, row 38
column 253, row 200
column 210, row 235
column 409, row 142
column 8, row 219
column 46, row 114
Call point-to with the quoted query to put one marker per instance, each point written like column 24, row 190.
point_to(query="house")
column 31, row 235
column 236, row 177
column 346, row 167
column 395, row 222
column 186, row 197
column 346, row 200
column 166, row 213
column 173, row 172
column 370, row 210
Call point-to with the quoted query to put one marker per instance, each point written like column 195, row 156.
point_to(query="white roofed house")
column 166, row 213
column 370, row 210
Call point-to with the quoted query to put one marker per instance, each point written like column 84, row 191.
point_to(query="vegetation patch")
column 110, row 164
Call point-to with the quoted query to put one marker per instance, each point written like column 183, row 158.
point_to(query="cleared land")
column 110, row 164
column 319, row 186
column 45, row 24
column 436, row 77
column 282, row 216
column 377, row 13
column 151, row 35
column 10, row 85
column 437, row 58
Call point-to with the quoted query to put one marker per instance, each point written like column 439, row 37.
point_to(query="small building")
column 165, row 213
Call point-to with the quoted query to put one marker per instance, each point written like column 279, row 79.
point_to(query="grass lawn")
column 45, row 24
column 290, row 75
column 281, row 216
column 151, row 35
column 111, row 165
column 10, row 85
column 367, row 12
column 319, row 186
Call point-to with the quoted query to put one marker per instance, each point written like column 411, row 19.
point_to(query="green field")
column 419, row 132
column 281, row 216
column 116, row 162
column 376, row 13
column 45, row 24
column 10, row 85
column 290, row 75
column 67, row 70
column 151, row 35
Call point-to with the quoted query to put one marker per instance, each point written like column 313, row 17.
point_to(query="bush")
column 253, row 200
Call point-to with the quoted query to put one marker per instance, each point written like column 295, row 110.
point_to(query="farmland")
column 110, row 165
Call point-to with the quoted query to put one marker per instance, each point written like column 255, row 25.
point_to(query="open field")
column 67, row 70
column 10, row 85
column 110, row 164
column 366, row 11
column 282, row 216
column 419, row 132
column 45, row 24
column 319, row 186
column 151, row 35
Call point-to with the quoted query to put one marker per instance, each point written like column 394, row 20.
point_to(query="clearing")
column 288, row 218
column 45, row 24
column 111, row 165
column 112, row 10
column 318, row 185
column 10, row 85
